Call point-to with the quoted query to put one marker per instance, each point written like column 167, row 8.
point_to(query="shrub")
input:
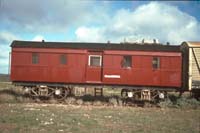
column 53, row 101
column 120, row 102
column 7, row 98
column 27, row 100
column 70, row 100
column 187, row 103
column 88, row 98
column 182, row 102
column 113, row 101
column 87, row 103
column 20, row 99
column 165, row 104
column 37, row 100
column 97, row 103
column 79, row 102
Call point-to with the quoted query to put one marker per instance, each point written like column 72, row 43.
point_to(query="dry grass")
column 86, row 119
column 4, row 78
column 19, row 113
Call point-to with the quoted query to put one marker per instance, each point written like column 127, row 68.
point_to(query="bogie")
column 47, row 92
column 144, row 94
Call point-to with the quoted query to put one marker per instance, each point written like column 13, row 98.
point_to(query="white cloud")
column 6, row 39
column 38, row 38
column 47, row 16
column 89, row 34
column 154, row 20
column 4, row 58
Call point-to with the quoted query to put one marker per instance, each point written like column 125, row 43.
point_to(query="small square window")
column 156, row 63
column 63, row 59
column 127, row 61
column 95, row 60
column 35, row 58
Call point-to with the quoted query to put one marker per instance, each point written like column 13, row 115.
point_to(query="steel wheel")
column 62, row 95
column 124, row 93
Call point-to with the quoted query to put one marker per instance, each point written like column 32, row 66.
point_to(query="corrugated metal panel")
column 195, row 63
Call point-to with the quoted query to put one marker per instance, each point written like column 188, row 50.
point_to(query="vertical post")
column 85, row 90
column 95, row 92
column 9, row 63
column 190, row 70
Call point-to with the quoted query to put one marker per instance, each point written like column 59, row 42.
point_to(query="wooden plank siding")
column 195, row 64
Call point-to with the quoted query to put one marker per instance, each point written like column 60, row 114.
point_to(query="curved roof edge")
column 193, row 44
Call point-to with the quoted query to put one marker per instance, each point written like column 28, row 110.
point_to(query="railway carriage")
column 144, row 71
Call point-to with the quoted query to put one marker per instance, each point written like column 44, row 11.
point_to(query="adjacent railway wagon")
column 144, row 71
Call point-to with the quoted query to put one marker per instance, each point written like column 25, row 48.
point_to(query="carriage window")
column 127, row 61
column 35, row 58
column 156, row 62
column 94, row 60
column 63, row 59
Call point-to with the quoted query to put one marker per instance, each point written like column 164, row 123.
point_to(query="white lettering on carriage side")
column 111, row 76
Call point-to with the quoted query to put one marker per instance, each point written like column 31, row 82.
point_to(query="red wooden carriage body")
column 151, row 65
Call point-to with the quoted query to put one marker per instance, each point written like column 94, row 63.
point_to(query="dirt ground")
column 28, row 116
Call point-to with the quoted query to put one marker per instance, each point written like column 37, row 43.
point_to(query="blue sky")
column 96, row 21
